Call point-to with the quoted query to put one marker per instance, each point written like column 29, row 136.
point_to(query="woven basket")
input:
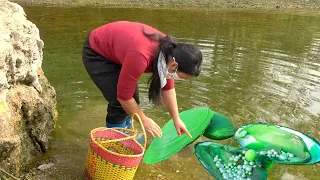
column 114, row 153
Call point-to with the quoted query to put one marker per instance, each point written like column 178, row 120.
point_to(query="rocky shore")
column 266, row 4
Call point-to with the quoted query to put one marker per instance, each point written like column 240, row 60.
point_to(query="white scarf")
column 162, row 70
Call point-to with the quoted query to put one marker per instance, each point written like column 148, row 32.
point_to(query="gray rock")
column 27, row 100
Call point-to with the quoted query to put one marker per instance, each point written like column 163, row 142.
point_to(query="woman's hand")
column 151, row 127
column 181, row 128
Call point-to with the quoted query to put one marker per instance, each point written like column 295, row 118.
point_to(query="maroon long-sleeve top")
column 124, row 43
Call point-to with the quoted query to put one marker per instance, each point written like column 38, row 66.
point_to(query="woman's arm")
column 170, row 100
column 131, row 106
column 133, row 66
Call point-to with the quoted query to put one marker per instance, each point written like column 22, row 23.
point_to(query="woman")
column 116, row 54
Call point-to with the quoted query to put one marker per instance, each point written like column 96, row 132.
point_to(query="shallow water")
column 258, row 66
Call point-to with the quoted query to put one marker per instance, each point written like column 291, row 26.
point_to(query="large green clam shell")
column 263, row 136
column 206, row 152
column 220, row 127
column 196, row 121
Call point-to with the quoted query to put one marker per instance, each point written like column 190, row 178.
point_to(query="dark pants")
column 105, row 74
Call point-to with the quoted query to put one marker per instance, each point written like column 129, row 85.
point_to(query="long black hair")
column 188, row 57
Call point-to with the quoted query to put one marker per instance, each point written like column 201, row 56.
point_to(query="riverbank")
column 265, row 4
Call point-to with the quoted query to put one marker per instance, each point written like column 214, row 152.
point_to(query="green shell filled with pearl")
column 282, row 144
column 227, row 162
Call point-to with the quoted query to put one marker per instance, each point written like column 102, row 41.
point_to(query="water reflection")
column 258, row 66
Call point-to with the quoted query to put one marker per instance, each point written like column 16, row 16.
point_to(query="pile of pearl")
column 281, row 156
column 235, row 171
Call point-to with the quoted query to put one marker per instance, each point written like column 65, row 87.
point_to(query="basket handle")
column 142, row 127
column 132, row 130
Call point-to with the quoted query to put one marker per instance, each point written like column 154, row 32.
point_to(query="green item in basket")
column 196, row 121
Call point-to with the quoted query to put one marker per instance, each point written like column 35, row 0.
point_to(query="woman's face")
column 183, row 75
column 172, row 68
